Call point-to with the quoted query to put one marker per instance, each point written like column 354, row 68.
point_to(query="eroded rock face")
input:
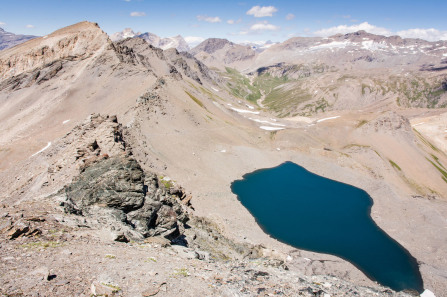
column 117, row 192
column 76, row 42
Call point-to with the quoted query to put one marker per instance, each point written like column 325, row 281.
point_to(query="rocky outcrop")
column 37, row 76
column 135, row 206
column 388, row 123
column 292, row 71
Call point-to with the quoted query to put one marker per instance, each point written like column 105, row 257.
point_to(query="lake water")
column 317, row 214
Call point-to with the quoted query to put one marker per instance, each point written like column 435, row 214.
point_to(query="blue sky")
column 239, row 21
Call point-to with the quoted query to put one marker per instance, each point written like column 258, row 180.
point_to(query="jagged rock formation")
column 8, row 39
column 137, row 51
column 117, row 190
column 176, row 42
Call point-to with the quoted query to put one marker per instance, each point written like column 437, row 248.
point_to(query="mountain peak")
column 211, row 45
column 176, row 42
column 77, row 41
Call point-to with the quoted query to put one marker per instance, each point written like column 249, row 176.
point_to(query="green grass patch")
column 395, row 165
column 167, row 183
column 196, row 100
column 361, row 123
column 115, row 288
column 425, row 141
column 443, row 172
column 182, row 272
column 437, row 161
column 356, row 145
column 151, row 259
column 42, row 245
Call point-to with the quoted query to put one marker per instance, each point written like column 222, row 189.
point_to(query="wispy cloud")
column 2, row 24
column 290, row 16
column 137, row 14
column 127, row 0
column 259, row 28
column 343, row 29
column 232, row 22
column 430, row 34
column 264, row 11
column 29, row 26
column 209, row 19
column 193, row 40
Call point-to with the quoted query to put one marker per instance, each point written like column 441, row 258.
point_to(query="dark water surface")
column 317, row 214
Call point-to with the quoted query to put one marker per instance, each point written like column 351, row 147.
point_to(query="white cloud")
column 430, row 34
column 232, row 22
column 343, row 29
column 209, row 19
column 2, row 24
column 427, row 34
column 259, row 27
column 127, row 0
column 290, row 16
column 264, row 26
column 264, row 11
column 193, row 40
column 137, row 14
column 30, row 26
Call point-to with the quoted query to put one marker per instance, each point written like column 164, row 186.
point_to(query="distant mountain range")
column 177, row 42
column 361, row 48
column 8, row 39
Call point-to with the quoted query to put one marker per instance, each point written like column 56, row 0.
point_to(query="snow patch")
column 270, row 128
column 64, row 122
column 223, row 151
column 48, row 145
column 373, row 46
column 215, row 89
column 418, row 124
column 249, row 106
column 244, row 111
column 325, row 119
column 331, row 45
column 267, row 122
column 427, row 293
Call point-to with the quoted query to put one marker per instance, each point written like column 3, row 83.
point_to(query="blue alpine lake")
column 314, row 213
